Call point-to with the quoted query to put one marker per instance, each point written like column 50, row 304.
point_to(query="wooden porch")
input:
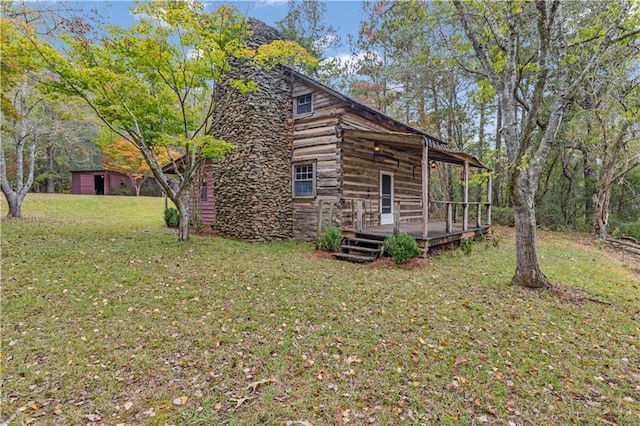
column 364, row 234
column 437, row 235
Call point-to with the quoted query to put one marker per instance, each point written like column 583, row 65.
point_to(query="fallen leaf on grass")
column 459, row 361
column 128, row 405
column 181, row 400
column 92, row 417
column 254, row 386
column 240, row 401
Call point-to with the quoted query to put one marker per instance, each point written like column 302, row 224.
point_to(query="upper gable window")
column 304, row 104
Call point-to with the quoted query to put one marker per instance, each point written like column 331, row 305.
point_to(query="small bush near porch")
column 107, row 319
column 401, row 248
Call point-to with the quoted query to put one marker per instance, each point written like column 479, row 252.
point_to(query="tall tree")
column 155, row 84
column 21, row 108
column 304, row 24
column 611, row 134
column 536, row 58
column 68, row 143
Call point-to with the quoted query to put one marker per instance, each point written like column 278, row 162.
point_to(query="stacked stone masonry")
column 252, row 185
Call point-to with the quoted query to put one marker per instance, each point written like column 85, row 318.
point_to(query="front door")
column 386, row 198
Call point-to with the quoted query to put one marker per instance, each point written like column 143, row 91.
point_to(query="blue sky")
column 343, row 15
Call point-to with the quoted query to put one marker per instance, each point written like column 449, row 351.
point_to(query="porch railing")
column 450, row 217
column 362, row 213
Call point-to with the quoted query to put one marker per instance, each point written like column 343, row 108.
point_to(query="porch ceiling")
column 438, row 151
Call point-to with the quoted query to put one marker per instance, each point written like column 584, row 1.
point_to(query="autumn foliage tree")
column 122, row 156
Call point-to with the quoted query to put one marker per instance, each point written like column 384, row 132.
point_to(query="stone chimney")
column 252, row 185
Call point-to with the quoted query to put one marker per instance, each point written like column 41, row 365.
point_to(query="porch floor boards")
column 437, row 235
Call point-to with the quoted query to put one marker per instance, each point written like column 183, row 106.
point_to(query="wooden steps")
column 360, row 250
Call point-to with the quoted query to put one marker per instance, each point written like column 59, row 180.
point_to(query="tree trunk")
column 50, row 189
column 528, row 273
column 590, row 178
column 601, row 212
column 137, row 185
column 185, row 218
column 15, row 194
column 15, row 206
column 497, row 179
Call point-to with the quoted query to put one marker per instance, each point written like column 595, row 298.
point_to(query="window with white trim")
column 304, row 104
column 304, row 180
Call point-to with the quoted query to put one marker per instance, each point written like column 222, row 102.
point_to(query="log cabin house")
column 308, row 157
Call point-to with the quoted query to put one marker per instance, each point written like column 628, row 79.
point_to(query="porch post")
column 425, row 193
column 465, row 219
column 489, row 195
column 319, row 230
column 396, row 217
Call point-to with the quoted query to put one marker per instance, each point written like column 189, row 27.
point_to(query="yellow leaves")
column 284, row 52
column 243, row 86
column 122, row 156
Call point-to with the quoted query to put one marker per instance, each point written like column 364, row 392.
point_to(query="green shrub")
column 466, row 246
column 171, row 217
column 629, row 229
column 123, row 190
column 196, row 222
column 401, row 248
column 330, row 240
column 503, row 216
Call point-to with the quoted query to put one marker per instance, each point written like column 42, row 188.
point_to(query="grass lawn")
column 107, row 319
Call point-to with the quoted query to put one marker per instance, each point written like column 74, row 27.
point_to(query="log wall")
column 314, row 140
column 361, row 176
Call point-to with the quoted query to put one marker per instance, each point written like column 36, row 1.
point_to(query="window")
column 303, row 104
column 304, row 180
